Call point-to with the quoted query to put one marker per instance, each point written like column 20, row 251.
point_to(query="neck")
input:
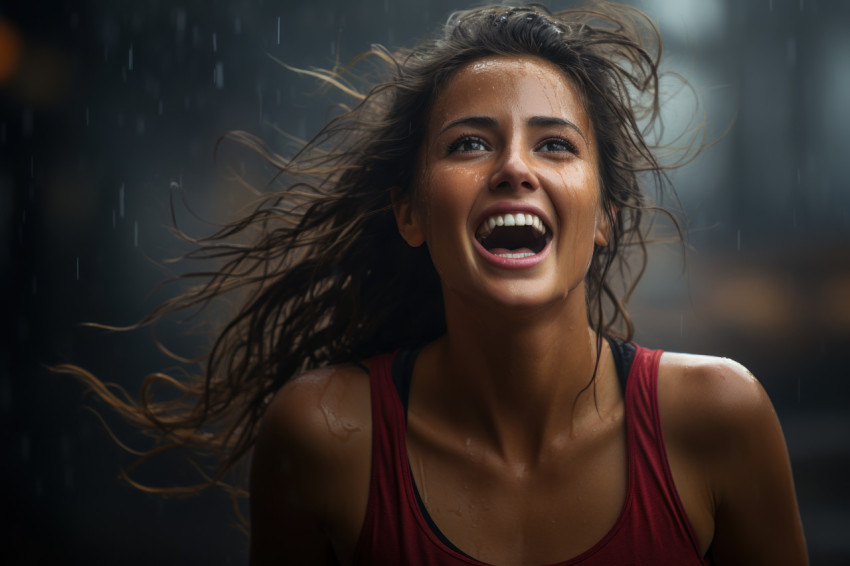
column 516, row 378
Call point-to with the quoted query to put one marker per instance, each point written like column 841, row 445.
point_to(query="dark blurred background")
column 105, row 107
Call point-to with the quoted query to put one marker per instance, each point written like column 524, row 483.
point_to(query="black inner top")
column 402, row 372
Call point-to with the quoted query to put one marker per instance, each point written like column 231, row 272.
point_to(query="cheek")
column 579, row 200
column 447, row 197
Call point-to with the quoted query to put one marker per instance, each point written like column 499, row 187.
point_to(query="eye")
column 468, row 144
column 557, row 145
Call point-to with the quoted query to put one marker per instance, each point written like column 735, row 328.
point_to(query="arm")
column 307, row 476
column 722, row 421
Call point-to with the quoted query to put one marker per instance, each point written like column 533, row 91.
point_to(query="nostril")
column 508, row 185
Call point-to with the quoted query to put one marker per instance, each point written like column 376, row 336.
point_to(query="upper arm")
column 305, row 469
column 721, row 418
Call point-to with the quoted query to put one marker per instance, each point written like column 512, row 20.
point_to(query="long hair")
column 327, row 279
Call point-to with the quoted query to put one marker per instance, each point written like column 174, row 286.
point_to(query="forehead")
column 521, row 86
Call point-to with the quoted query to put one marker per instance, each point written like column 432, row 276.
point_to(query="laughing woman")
column 505, row 422
column 433, row 366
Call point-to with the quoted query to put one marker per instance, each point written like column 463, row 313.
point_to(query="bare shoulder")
column 310, row 468
column 706, row 397
column 320, row 407
column 318, row 426
column 728, row 457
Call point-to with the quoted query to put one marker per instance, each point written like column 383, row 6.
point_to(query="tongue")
column 503, row 251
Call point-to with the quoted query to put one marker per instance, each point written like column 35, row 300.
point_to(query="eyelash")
column 567, row 144
column 465, row 139
column 455, row 146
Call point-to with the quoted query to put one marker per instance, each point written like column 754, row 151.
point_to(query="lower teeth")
column 516, row 256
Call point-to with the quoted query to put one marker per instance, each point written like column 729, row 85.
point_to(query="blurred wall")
column 105, row 107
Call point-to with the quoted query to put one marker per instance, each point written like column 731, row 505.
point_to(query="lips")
column 513, row 234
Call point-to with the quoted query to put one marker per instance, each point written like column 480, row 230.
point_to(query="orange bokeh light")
column 10, row 51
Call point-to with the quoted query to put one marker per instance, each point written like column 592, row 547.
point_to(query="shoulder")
column 706, row 396
column 315, row 438
column 321, row 406
column 720, row 426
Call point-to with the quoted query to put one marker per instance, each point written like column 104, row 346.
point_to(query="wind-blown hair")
column 329, row 279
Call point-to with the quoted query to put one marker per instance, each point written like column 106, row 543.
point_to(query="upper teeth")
column 511, row 219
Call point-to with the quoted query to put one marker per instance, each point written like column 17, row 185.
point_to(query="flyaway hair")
column 325, row 277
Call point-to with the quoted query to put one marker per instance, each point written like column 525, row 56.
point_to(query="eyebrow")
column 535, row 121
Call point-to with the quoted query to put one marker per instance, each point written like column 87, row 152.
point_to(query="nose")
column 514, row 171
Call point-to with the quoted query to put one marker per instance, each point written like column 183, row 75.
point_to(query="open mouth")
column 513, row 235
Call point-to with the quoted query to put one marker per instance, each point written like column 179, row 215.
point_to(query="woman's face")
column 507, row 192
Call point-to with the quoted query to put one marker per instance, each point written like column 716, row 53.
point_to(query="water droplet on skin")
column 332, row 396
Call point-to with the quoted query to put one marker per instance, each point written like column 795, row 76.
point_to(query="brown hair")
column 328, row 279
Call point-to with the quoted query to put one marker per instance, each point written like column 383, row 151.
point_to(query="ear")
column 408, row 224
column 603, row 224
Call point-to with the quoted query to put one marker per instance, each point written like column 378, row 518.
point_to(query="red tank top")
column 652, row 528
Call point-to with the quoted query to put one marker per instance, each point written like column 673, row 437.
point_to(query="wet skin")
column 513, row 464
column 505, row 135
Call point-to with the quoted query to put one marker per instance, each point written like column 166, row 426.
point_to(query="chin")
column 516, row 296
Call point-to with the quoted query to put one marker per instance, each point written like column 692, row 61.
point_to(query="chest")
column 502, row 513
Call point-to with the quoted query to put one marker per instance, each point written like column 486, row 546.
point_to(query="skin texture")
column 498, row 432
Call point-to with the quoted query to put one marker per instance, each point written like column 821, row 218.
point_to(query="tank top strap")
column 654, row 488
column 385, row 491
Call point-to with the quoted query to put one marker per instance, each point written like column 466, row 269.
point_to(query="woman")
column 464, row 394
column 509, row 439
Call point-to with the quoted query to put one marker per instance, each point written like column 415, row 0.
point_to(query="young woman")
column 439, row 278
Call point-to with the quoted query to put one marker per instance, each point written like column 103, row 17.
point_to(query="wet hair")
column 327, row 279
